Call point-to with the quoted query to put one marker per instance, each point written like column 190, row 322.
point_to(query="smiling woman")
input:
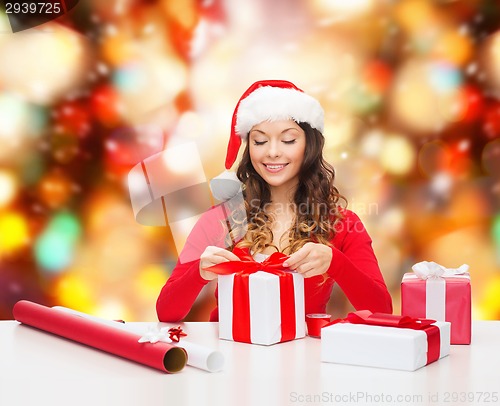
column 277, row 151
column 290, row 205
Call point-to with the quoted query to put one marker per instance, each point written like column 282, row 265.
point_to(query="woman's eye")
column 259, row 142
column 289, row 142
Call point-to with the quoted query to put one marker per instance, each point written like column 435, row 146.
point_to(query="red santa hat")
column 265, row 100
column 270, row 100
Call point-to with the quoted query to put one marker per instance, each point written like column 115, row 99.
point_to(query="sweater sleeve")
column 355, row 268
column 185, row 283
column 179, row 293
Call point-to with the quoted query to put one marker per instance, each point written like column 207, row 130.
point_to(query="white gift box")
column 380, row 346
column 265, row 307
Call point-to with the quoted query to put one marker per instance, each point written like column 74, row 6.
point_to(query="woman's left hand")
column 310, row 260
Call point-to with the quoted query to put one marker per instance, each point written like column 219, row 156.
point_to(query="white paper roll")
column 199, row 356
column 203, row 357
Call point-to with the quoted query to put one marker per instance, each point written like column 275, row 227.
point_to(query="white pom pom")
column 225, row 186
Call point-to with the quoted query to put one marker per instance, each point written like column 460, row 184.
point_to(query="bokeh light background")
column 411, row 90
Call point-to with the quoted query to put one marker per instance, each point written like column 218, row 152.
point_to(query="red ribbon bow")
column 175, row 334
column 247, row 266
column 391, row 320
column 241, row 297
column 384, row 319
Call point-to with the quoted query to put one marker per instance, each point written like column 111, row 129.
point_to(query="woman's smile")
column 274, row 168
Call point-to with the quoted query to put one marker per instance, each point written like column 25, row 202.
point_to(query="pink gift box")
column 445, row 298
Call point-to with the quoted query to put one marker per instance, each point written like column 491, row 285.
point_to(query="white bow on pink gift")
column 431, row 270
column 435, row 286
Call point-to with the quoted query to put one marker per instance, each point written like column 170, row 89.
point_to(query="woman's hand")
column 310, row 260
column 212, row 256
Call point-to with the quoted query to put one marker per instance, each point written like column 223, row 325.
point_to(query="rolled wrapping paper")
column 110, row 323
column 198, row 356
column 202, row 357
column 163, row 356
column 314, row 323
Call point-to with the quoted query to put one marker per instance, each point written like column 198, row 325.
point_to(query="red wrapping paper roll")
column 163, row 356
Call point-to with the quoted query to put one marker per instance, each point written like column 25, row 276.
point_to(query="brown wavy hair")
column 316, row 201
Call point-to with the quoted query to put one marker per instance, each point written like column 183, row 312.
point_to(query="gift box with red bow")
column 384, row 341
column 435, row 292
column 260, row 303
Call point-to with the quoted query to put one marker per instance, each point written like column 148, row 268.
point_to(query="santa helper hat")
column 265, row 100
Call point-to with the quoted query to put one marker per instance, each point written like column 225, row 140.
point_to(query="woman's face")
column 277, row 151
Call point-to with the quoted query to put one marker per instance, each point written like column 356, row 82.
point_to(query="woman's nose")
column 274, row 149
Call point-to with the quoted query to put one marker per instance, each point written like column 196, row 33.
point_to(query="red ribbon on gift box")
column 241, row 301
column 391, row 320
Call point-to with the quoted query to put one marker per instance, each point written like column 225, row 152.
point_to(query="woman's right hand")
column 212, row 256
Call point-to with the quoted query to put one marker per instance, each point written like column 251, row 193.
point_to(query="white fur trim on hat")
column 274, row 103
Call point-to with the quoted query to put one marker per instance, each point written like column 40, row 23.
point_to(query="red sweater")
column 354, row 267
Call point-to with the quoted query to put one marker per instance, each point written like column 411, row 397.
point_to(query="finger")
column 296, row 258
column 228, row 255
column 213, row 260
column 210, row 250
column 218, row 251
column 312, row 268
column 311, row 273
column 305, row 268
column 207, row 275
column 218, row 259
column 299, row 265
column 214, row 250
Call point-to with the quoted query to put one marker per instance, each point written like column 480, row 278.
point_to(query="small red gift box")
column 439, row 293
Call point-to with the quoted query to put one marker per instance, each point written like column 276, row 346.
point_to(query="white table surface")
column 38, row 368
